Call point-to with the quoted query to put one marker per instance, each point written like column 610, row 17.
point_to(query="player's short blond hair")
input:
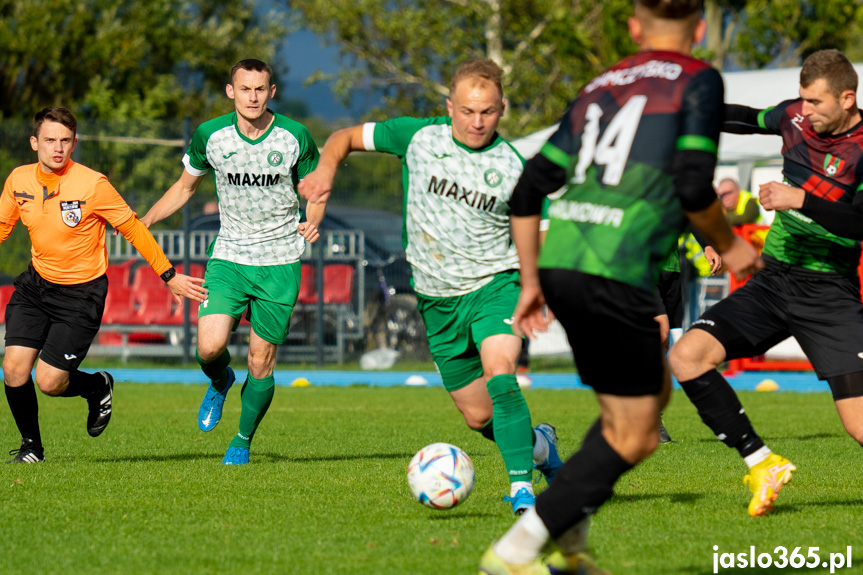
column 478, row 68
column 834, row 67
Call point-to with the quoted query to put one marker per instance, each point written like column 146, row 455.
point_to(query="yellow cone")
column 767, row 385
column 301, row 382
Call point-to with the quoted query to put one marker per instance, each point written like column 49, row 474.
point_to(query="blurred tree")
column 760, row 33
column 120, row 59
column 406, row 50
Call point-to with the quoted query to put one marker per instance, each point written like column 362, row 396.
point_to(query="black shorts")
column 671, row 295
column 821, row 310
column 610, row 326
column 60, row 320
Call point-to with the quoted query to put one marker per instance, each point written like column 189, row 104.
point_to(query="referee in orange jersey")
column 57, row 304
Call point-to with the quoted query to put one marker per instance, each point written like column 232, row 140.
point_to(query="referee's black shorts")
column 60, row 320
column 821, row 310
column 614, row 338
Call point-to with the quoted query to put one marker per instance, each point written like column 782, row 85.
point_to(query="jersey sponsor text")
column 473, row 198
column 253, row 179
column 586, row 212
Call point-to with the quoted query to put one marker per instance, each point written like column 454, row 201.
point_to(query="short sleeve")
column 309, row 155
column 195, row 160
column 395, row 135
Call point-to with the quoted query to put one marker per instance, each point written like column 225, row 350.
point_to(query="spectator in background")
column 740, row 206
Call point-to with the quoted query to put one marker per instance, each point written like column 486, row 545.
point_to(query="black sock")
column 487, row 430
column 83, row 384
column 582, row 485
column 721, row 411
column 25, row 410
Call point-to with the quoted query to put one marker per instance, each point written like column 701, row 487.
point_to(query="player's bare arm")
column 529, row 316
column 174, row 199
column 779, row 196
column 316, row 186
column 739, row 256
column 309, row 229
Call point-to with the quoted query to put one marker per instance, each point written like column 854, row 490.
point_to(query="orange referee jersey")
column 65, row 213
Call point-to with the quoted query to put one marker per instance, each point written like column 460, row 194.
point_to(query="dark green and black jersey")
column 621, row 214
column 827, row 166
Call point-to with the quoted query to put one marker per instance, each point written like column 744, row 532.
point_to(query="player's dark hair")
column 54, row 114
column 253, row 65
column 672, row 9
column 833, row 66
column 478, row 68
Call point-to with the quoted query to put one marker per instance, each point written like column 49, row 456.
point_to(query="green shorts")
column 270, row 293
column 457, row 325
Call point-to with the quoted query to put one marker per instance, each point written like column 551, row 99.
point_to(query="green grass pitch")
column 326, row 492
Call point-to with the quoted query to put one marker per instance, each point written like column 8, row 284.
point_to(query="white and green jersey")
column 256, row 182
column 456, row 207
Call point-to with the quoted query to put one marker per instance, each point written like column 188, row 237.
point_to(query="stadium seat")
column 307, row 285
column 195, row 270
column 5, row 295
column 120, row 274
column 145, row 278
column 119, row 305
column 176, row 317
column 156, row 305
column 338, row 283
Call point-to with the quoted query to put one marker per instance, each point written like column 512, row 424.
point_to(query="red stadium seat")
column 146, row 278
column 119, row 305
column 338, row 283
column 307, row 284
column 5, row 295
column 195, row 270
column 120, row 274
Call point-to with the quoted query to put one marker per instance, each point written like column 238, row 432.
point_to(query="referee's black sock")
column 582, row 485
column 721, row 411
column 25, row 410
column 83, row 384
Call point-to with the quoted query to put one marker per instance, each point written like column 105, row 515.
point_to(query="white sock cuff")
column 754, row 459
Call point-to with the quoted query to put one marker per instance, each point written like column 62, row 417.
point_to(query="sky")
column 304, row 54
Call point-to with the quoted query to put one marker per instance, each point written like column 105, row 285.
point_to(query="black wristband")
column 168, row 275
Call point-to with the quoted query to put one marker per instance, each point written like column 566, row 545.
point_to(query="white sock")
column 523, row 542
column 540, row 448
column 754, row 459
column 517, row 486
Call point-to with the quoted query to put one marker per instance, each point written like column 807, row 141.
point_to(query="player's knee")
column 52, row 385
column 856, row 431
column 476, row 417
column 209, row 351
column 260, row 366
column 497, row 368
column 687, row 360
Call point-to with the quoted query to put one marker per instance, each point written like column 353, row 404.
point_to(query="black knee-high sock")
column 487, row 430
column 582, row 485
column 721, row 411
column 25, row 410
column 83, row 384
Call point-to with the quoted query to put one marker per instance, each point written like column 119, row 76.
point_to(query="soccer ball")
column 440, row 475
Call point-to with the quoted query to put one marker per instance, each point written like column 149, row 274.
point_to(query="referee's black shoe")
column 100, row 407
column 29, row 452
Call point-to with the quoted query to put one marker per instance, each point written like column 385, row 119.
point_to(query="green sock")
column 256, row 397
column 512, row 430
column 216, row 369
